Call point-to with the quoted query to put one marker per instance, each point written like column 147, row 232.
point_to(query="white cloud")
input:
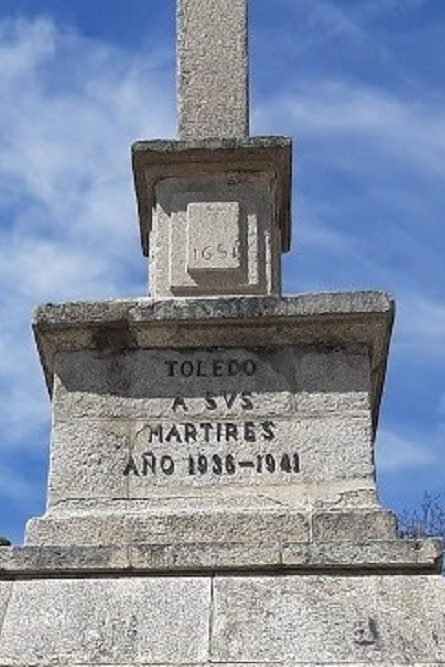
column 338, row 111
column 24, row 45
column 398, row 452
column 422, row 326
column 331, row 18
column 71, row 107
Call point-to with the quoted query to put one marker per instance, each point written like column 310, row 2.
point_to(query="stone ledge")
column 147, row 310
column 112, row 327
column 60, row 527
column 376, row 556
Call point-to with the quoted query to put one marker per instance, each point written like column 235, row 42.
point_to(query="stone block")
column 205, row 556
column 212, row 237
column 157, row 527
column 103, row 621
column 88, row 460
column 114, row 460
column 353, row 525
column 255, row 172
column 223, row 383
column 79, row 528
column 45, row 560
column 128, row 424
column 328, row 619
column 170, row 402
column 377, row 555
column 382, row 556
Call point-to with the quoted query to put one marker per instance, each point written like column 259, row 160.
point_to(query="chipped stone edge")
column 382, row 556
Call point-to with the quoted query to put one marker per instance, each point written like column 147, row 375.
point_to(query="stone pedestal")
column 212, row 496
column 225, row 420
column 214, row 214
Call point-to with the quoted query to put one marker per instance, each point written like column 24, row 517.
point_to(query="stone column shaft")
column 213, row 77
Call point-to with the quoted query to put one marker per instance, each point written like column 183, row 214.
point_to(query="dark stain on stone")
column 366, row 632
column 109, row 341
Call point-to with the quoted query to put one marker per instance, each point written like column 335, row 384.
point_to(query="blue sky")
column 359, row 86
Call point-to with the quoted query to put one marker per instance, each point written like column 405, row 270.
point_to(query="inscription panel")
column 213, row 236
column 148, row 420
column 219, row 237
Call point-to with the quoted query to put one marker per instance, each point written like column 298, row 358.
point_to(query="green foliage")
column 4, row 542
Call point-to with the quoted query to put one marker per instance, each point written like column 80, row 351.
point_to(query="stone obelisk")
column 212, row 494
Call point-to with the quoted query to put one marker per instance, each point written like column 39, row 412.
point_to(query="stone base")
column 224, row 619
column 217, row 420
column 223, row 525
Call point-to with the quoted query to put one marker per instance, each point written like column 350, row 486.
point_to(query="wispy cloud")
column 71, row 107
column 333, row 110
column 332, row 18
column 373, row 155
column 423, row 326
column 400, row 452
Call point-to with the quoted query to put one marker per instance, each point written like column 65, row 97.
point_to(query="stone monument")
column 211, row 495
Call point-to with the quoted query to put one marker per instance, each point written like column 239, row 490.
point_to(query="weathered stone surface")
column 353, row 525
column 79, row 528
column 47, row 560
column 278, row 620
column 135, row 559
column 5, row 595
column 364, row 555
column 114, row 329
column 186, row 520
column 120, row 460
column 174, row 526
column 278, row 382
column 230, row 161
column 206, row 556
column 215, row 235
column 88, row 459
column 213, row 69
column 120, row 621
column 318, row 619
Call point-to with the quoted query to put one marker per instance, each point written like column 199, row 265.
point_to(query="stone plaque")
column 213, row 235
column 153, row 420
